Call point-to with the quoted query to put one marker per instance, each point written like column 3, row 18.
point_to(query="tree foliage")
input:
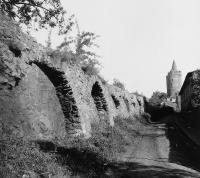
column 88, row 59
column 157, row 98
column 44, row 12
column 81, row 46
column 118, row 84
column 138, row 94
column 84, row 41
column 51, row 13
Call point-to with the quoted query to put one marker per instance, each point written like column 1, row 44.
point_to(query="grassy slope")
column 79, row 157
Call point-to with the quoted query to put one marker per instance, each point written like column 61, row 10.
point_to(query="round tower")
column 174, row 81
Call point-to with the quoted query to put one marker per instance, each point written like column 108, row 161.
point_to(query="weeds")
column 76, row 156
column 19, row 157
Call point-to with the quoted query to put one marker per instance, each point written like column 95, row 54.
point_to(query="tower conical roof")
column 174, row 67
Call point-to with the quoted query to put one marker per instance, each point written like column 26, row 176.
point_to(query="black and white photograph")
column 99, row 89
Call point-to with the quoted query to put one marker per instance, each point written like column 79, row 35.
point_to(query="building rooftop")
column 174, row 67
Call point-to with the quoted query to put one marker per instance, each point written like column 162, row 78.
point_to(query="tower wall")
column 173, row 83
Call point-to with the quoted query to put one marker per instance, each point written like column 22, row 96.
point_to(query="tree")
column 157, row 98
column 138, row 94
column 80, row 46
column 44, row 12
column 90, row 66
column 88, row 59
column 118, row 84
column 85, row 41
column 51, row 13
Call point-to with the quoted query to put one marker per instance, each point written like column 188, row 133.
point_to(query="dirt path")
column 151, row 148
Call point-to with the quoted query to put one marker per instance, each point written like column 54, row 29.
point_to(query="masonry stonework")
column 49, row 98
column 174, row 82
column 189, row 95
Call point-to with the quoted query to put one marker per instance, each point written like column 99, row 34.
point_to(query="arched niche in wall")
column 127, row 104
column 116, row 101
column 65, row 96
column 133, row 103
column 99, row 99
column 139, row 102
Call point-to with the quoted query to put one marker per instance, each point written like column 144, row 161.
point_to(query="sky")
column 139, row 39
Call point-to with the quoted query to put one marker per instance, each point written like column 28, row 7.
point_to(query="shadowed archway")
column 116, row 101
column 99, row 99
column 65, row 95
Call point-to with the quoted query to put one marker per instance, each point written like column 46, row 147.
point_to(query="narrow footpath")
column 155, row 152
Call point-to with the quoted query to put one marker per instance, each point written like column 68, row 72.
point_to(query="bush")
column 90, row 68
column 106, row 141
column 104, row 82
column 81, row 46
column 60, row 57
column 118, row 84
column 157, row 98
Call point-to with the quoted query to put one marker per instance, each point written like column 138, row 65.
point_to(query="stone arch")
column 15, row 50
column 99, row 99
column 65, row 95
column 139, row 102
column 116, row 101
column 133, row 103
column 127, row 104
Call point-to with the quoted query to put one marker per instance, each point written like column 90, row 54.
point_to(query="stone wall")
column 189, row 95
column 51, row 99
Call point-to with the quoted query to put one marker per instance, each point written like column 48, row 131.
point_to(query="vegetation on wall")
column 157, row 98
column 81, row 46
column 103, row 81
column 154, row 107
column 118, row 84
column 138, row 94
column 20, row 156
column 50, row 13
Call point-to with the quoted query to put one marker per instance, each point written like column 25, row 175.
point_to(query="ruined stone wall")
column 190, row 92
column 128, row 104
column 49, row 98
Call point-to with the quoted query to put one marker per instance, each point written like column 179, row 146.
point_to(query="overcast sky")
column 140, row 38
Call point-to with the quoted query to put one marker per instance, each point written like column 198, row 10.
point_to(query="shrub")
column 104, row 82
column 157, row 98
column 105, row 141
column 138, row 94
column 90, row 67
column 81, row 47
column 118, row 84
